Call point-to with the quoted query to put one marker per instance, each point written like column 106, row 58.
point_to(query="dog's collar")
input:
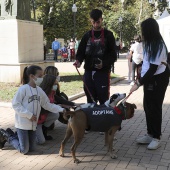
column 118, row 111
column 123, row 110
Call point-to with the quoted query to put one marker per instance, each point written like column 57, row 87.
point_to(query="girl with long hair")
column 46, row 119
column 155, row 79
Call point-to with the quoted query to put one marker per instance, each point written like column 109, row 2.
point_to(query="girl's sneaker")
column 155, row 144
column 144, row 139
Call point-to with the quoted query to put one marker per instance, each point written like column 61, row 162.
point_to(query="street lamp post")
column 120, row 23
column 74, row 10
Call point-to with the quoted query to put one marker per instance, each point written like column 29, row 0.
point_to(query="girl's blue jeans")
column 24, row 141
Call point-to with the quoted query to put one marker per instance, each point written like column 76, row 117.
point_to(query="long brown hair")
column 47, row 84
column 51, row 70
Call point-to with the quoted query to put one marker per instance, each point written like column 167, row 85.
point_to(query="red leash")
column 85, row 85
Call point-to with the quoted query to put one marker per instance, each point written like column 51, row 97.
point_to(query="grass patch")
column 70, row 83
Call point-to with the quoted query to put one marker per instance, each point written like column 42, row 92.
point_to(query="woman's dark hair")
column 153, row 41
column 47, row 84
column 51, row 70
column 95, row 14
column 29, row 70
column 137, row 38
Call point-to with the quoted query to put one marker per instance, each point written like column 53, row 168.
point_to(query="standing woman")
column 155, row 79
column 136, row 52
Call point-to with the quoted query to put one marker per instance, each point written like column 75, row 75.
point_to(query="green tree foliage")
column 57, row 17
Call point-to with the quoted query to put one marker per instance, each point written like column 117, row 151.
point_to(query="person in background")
column 117, row 47
column 76, row 45
column 27, row 104
column 55, row 48
column 72, row 50
column 129, row 57
column 45, row 51
column 155, row 79
column 136, row 52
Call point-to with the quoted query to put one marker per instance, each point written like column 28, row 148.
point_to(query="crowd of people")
column 67, row 52
column 36, row 102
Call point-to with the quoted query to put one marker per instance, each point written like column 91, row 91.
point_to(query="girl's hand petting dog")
column 134, row 88
column 33, row 118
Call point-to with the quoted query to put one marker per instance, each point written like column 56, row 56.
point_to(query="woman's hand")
column 134, row 88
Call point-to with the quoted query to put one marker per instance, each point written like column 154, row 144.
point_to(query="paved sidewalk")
column 92, row 151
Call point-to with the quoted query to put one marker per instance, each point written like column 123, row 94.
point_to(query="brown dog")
column 79, row 122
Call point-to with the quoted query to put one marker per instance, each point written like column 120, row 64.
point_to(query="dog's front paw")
column 77, row 161
column 113, row 156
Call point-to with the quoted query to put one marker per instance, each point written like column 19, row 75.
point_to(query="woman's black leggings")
column 154, row 92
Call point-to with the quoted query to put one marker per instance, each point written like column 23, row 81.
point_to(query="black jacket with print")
column 89, row 51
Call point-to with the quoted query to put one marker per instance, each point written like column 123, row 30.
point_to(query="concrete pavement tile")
column 122, row 164
column 129, row 167
column 14, row 166
column 134, row 162
column 145, row 165
column 99, row 167
column 119, row 169
column 133, row 156
column 159, row 163
column 50, row 166
column 143, row 154
column 145, row 159
column 162, row 168
column 165, row 160
column 131, row 151
column 28, row 163
column 166, row 156
column 156, row 158
column 59, row 168
column 87, row 168
column 65, row 161
column 111, row 166
column 18, row 160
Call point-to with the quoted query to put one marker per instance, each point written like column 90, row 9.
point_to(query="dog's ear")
column 134, row 106
column 112, row 98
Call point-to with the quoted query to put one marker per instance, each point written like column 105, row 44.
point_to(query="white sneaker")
column 155, row 144
column 145, row 139
column 132, row 83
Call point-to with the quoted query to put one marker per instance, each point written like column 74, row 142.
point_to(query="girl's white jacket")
column 28, row 102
